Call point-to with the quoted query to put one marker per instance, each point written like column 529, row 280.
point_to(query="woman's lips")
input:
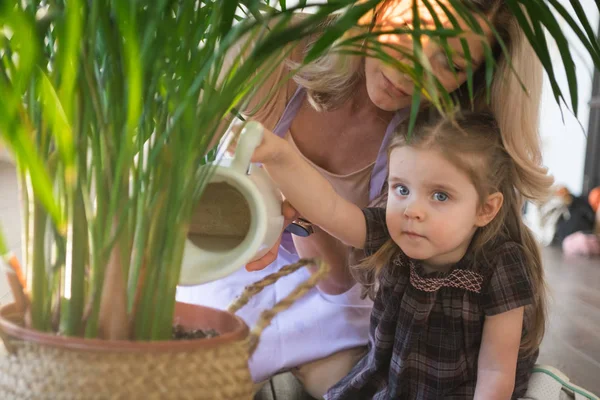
column 393, row 89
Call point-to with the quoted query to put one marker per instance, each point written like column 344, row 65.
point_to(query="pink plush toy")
column 581, row 244
column 586, row 244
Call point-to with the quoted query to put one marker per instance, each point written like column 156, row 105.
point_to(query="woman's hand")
column 271, row 149
column 289, row 214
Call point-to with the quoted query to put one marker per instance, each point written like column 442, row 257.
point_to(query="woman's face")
column 388, row 88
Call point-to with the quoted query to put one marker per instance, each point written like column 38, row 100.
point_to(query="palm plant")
column 110, row 108
column 86, row 86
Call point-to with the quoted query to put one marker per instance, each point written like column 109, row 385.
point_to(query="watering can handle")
column 250, row 138
column 267, row 315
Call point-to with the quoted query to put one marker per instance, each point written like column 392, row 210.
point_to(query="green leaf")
column 466, row 12
column 469, row 68
column 418, row 52
column 69, row 46
column 3, row 246
column 449, row 51
column 54, row 113
column 590, row 41
column 539, row 45
column 490, row 62
column 338, row 28
column 443, row 41
column 545, row 17
column 414, row 111
column 13, row 122
column 135, row 69
column 29, row 160
column 434, row 34
column 23, row 42
column 256, row 6
column 228, row 9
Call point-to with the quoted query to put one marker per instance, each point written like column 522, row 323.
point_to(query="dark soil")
column 180, row 333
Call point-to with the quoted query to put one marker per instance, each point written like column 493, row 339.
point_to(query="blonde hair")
column 515, row 92
column 472, row 142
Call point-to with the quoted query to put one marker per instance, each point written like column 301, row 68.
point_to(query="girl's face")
column 433, row 207
column 388, row 88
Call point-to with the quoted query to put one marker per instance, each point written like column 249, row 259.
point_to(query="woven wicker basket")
column 45, row 366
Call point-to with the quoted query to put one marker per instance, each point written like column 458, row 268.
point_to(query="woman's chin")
column 386, row 102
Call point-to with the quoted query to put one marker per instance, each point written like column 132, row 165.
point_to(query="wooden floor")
column 572, row 341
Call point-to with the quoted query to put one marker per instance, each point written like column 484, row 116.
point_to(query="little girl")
column 459, row 291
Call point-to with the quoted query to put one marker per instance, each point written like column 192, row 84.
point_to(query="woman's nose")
column 401, row 48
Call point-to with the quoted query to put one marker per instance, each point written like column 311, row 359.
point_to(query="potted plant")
column 86, row 86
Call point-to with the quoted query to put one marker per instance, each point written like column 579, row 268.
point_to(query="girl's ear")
column 489, row 209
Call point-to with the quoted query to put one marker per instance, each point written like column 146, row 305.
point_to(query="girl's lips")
column 413, row 235
column 393, row 89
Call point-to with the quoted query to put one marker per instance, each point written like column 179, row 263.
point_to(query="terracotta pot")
column 43, row 365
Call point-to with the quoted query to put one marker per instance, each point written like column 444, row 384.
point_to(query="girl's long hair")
column 472, row 142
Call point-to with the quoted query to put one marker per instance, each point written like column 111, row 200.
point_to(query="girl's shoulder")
column 499, row 254
column 506, row 279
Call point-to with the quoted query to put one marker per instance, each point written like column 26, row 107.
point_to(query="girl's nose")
column 414, row 211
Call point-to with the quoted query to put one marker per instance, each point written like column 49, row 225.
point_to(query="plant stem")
column 163, row 321
column 76, row 260
column 113, row 322
column 39, row 302
column 154, row 250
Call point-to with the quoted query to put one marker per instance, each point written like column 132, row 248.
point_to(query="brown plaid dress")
column 426, row 328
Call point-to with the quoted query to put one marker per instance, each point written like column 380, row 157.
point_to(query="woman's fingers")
column 265, row 260
column 235, row 130
column 289, row 214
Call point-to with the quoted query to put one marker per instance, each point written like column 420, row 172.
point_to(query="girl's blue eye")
column 440, row 196
column 402, row 190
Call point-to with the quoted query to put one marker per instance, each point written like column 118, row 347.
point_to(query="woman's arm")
column 309, row 192
column 498, row 354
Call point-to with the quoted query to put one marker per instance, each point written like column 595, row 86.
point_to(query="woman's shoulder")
column 268, row 102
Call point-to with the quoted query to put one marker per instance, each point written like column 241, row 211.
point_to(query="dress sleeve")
column 509, row 285
column 377, row 232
